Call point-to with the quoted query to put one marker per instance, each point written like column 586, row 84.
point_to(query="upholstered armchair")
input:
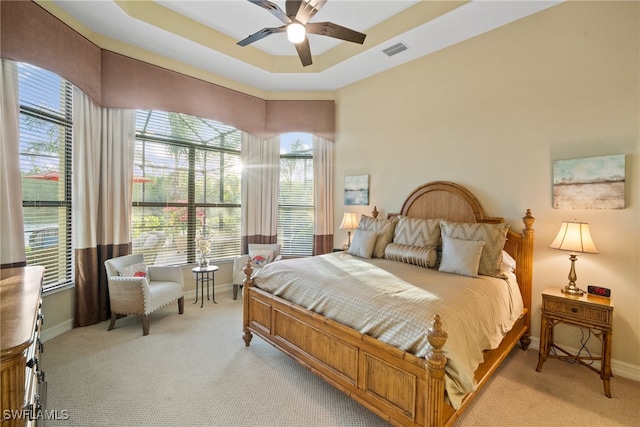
column 260, row 255
column 135, row 289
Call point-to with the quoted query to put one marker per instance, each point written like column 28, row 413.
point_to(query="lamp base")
column 572, row 290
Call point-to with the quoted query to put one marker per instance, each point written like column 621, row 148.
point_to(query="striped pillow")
column 417, row 255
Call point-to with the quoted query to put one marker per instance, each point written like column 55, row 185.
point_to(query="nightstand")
column 587, row 311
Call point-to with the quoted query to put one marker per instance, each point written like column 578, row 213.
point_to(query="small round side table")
column 205, row 275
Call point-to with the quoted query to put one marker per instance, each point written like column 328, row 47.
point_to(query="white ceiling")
column 202, row 34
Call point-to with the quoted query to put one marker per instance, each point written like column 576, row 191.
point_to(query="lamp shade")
column 349, row 221
column 575, row 237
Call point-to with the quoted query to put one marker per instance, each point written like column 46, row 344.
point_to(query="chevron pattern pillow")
column 383, row 227
column 417, row 232
column 494, row 236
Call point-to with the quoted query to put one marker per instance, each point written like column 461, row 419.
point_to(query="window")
column 45, row 164
column 295, row 204
column 186, row 180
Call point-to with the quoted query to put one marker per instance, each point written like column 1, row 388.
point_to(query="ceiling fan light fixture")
column 295, row 32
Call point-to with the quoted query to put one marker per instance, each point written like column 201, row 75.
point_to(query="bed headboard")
column 452, row 202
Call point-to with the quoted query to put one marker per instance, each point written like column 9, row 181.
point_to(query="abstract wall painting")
column 589, row 183
column 356, row 190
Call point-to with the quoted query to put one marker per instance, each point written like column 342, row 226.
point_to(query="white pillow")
column 461, row 256
column 362, row 243
column 508, row 263
column 134, row 270
column 261, row 257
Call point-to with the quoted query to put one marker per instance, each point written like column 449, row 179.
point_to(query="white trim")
column 618, row 368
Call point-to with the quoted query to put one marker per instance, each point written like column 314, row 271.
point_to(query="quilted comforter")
column 395, row 303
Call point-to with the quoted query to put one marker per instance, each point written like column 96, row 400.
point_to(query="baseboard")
column 619, row 368
column 56, row 330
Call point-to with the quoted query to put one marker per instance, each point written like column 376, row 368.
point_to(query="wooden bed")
column 396, row 385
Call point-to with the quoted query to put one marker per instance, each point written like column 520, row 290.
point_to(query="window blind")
column 45, row 164
column 295, row 204
column 186, row 181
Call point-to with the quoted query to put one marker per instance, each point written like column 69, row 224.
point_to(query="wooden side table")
column 587, row 311
column 204, row 276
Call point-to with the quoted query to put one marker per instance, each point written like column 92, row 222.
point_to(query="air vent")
column 395, row 49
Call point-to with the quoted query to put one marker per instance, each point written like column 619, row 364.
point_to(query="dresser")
column 590, row 312
column 23, row 392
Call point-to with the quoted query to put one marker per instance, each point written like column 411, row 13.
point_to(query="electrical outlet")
column 599, row 290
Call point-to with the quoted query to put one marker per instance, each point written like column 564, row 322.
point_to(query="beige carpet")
column 195, row 370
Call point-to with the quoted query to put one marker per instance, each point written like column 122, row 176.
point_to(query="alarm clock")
column 599, row 291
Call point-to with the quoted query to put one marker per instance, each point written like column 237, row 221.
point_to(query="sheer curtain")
column 260, row 180
column 323, row 195
column 103, row 142
column 11, row 220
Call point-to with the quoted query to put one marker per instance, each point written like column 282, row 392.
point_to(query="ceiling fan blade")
column 304, row 52
column 336, row 31
column 273, row 8
column 303, row 11
column 292, row 7
column 261, row 34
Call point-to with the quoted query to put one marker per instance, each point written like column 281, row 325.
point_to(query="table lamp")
column 349, row 222
column 574, row 237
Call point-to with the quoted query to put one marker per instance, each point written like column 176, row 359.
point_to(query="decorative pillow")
column 134, row 270
column 508, row 263
column 417, row 232
column 461, row 256
column 362, row 243
column 384, row 228
column 494, row 236
column 260, row 257
column 423, row 257
column 275, row 247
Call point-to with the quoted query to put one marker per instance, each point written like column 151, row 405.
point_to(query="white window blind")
column 45, row 164
column 295, row 204
column 186, row 180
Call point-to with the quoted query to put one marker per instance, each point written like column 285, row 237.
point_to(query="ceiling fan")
column 297, row 25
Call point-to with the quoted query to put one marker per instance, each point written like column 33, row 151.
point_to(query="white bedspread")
column 395, row 303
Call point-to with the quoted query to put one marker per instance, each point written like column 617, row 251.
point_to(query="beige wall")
column 492, row 114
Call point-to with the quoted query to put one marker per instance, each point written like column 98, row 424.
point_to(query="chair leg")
column 145, row 324
column 112, row 325
column 181, row 305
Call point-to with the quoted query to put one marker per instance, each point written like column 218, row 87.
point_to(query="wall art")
column 589, row 183
column 356, row 190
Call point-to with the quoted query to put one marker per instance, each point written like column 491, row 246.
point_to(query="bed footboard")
column 398, row 386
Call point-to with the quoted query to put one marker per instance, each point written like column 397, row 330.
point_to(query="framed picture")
column 589, row 183
column 356, row 190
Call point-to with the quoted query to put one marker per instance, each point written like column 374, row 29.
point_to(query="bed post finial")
column 374, row 212
column 436, row 361
column 247, row 283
